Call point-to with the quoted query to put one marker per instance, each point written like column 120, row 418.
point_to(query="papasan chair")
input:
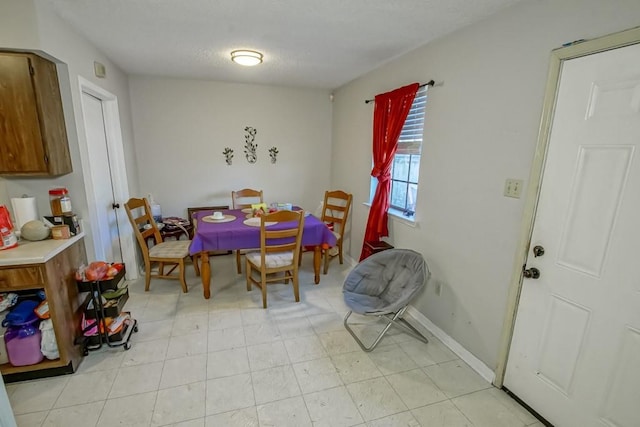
column 383, row 285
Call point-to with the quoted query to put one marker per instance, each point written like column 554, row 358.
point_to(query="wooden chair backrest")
column 139, row 223
column 270, row 239
column 336, row 209
column 238, row 198
column 191, row 211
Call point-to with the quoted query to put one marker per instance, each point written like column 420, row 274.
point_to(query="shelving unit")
column 95, row 309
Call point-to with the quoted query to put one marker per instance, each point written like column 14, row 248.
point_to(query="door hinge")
column 32, row 70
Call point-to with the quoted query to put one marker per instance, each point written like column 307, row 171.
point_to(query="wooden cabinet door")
column 21, row 148
column 33, row 134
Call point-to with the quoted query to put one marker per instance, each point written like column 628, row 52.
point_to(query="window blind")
column 410, row 141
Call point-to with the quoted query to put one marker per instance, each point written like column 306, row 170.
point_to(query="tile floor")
column 228, row 362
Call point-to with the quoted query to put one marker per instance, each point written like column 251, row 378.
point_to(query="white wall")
column 41, row 29
column 481, row 128
column 182, row 126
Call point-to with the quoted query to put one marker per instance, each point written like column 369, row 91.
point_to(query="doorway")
column 106, row 178
column 572, row 345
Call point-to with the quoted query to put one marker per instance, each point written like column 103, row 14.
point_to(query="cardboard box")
column 71, row 221
column 60, row 232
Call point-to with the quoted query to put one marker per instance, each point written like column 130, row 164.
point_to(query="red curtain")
column 389, row 114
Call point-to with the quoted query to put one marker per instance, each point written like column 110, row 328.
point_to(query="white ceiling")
column 306, row 43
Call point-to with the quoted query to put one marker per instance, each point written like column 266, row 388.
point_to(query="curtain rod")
column 429, row 83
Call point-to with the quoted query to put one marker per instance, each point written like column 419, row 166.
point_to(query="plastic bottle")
column 60, row 202
column 156, row 211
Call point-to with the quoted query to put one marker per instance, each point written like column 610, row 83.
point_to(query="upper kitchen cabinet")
column 33, row 136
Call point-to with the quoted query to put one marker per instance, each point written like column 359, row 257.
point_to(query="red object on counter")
column 8, row 238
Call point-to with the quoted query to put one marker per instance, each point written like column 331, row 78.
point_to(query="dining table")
column 235, row 230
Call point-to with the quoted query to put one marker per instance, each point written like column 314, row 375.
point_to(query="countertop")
column 36, row 252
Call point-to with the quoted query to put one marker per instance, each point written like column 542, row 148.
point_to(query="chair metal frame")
column 245, row 193
column 396, row 320
column 392, row 311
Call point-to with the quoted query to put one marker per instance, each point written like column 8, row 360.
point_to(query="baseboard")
column 476, row 364
column 350, row 260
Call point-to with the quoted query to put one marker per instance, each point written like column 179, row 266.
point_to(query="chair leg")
column 296, row 289
column 263, row 288
column 147, row 276
column 395, row 321
column 327, row 258
column 248, row 275
column 340, row 252
column 194, row 261
column 183, row 280
column 355, row 337
column 238, row 262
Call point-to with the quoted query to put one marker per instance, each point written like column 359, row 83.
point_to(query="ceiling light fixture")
column 247, row 58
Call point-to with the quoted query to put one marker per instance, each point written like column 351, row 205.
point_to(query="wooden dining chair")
column 335, row 210
column 169, row 253
column 275, row 256
column 242, row 199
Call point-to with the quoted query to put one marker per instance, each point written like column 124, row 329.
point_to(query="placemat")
column 226, row 218
column 255, row 222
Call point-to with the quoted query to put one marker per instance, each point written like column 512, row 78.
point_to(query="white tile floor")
column 228, row 362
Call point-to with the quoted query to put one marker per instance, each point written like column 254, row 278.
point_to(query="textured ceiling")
column 319, row 43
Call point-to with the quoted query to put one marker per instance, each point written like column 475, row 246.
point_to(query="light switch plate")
column 99, row 69
column 513, row 187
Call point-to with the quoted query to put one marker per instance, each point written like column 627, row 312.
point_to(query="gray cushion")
column 385, row 282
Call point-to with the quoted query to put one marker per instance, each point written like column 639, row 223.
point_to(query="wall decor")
column 273, row 153
column 249, row 146
column 228, row 155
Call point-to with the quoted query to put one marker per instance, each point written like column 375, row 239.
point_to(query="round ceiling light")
column 248, row 58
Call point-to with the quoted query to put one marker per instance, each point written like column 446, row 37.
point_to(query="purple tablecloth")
column 236, row 235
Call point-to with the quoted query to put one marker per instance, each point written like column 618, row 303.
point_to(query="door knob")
column 538, row 251
column 531, row 273
column 115, row 205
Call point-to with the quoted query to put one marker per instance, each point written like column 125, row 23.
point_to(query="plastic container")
column 3, row 348
column 23, row 344
column 156, row 210
column 60, row 202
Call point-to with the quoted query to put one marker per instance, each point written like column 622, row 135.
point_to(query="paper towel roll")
column 25, row 209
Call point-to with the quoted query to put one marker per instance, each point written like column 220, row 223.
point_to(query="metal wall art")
column 273, row 153
column 228, row 155
column 249, row 146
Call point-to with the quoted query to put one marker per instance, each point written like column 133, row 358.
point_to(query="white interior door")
column 107, row 236
column 105, row 178
column 575, row 352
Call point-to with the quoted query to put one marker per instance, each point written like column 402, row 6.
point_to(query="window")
column 406, row 162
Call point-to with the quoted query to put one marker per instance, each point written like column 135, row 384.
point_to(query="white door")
column 575, row 352
column 107, row 237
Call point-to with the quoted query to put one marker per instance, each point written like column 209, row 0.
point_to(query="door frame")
column 558, row 56
column 117, row 165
